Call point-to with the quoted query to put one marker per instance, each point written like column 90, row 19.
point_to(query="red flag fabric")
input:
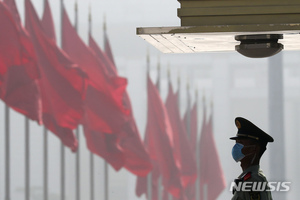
column 212, row 181
column 165, row 195
column 142, row 182
column 192, row 123
column 14, row 11
column 108, row 64
column 62, row 83
column 105, row 146
column 18, row 65
column 103, row 114
column 104, row 110
column 98, row 142
column 47, row 22
column 159, row 135
column 182, row 150
column 137, row 159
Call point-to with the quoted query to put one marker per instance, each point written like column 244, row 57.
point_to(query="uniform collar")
column 252, row 168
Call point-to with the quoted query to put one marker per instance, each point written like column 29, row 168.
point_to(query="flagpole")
column 91, row 154
column 106, row 175
column 189, row 111
column 205, row 197
column 149, row 177
column 158, row 75
column 197, row 185
column 45, row 164
column 179, row 84
column 62, row 149
column 62, row 175
column 77, row 159
column 7, row 154
column 77, row 167
column 92, row 175
column 159, row 188
column 106, row 181
column 45, row 151
column 27, row 160
column 170, row 197
column 199, row 191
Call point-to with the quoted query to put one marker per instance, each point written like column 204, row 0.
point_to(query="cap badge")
column 238, row 124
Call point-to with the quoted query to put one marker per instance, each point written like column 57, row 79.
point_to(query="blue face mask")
column 237, row 152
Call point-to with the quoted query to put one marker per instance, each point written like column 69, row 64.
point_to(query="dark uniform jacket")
column 256, row 185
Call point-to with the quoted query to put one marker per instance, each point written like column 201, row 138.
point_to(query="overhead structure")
column 258, row 28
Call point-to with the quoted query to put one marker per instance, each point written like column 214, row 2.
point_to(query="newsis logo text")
column 260, row 186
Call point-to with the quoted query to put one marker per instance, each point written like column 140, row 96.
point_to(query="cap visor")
column 239, row 137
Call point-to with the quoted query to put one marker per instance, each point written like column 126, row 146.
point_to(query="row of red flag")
column 173, row 151
column 64, row 88
column 79, row 84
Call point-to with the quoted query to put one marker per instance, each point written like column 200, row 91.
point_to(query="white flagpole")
column 149, row 177
column 188, row 128
column 77, row 159
column 45, row 160
column 27, row 160
column 77, row 168
column 62, row 150
column 106, row 173
column 7, row 154
column 45, row 164
column 205, row 197
column 91, row 154
column 197, row 185
column 159, row 185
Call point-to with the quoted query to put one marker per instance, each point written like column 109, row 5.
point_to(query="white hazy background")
column 235, row 85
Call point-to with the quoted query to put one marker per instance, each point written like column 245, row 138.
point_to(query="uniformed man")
column 251, row 143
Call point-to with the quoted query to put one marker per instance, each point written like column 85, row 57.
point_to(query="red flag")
column 160, row 141
column 193, row 124
column 137, row 159
column 18, row 68
column 109, row 115
column 62, row 84
column 212, row 181
column 141, row 186
column 100, row 143
column 104, row 111
column 142, row 182
column 182, row 150
column 106, row 146
column 165, row 195
column 47, row 22
column 108, row 64
column 14, row 11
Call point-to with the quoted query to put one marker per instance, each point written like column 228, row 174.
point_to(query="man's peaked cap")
column 247, row 129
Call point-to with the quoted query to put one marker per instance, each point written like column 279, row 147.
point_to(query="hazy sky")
column 236, row 85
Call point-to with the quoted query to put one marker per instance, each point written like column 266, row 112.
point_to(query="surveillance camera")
column 259, row 46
